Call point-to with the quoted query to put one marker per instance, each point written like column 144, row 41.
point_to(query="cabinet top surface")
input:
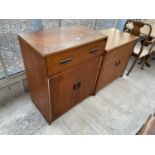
column 51, row 41
column 117, row 38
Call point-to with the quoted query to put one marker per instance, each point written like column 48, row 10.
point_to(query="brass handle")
column 65, row 61
column 93, row 50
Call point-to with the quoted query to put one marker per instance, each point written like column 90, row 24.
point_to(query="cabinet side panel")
column 37, row 79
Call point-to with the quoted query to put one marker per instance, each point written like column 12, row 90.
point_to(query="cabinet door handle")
column 118, row 63
column 74, row 87
column 79, row 84
column 65, row 61
column 93, row 50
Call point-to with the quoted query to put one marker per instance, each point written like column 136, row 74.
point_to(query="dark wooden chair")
column 145, row 43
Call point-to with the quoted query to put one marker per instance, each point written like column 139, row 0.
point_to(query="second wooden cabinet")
column 118, row 50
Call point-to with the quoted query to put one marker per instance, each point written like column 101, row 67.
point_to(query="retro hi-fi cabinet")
column 62, row 66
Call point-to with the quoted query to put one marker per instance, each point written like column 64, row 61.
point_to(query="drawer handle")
column 65, row 61
column 93, row 50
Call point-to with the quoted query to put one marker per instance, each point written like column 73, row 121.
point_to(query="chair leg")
column 144, row 62
column 140, row 62
column 136, row 59
column 147, row 61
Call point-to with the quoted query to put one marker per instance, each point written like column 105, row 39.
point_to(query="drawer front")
column 62, row 61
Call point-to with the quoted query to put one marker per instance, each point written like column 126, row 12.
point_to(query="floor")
column 120, row 108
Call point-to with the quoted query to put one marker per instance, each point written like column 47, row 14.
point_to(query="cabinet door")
column 114, row 64
column 111, row 70
column 72, row 86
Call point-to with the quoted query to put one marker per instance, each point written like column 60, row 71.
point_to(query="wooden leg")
column 148, row 64
column 144, row 62
column 147, row 61
column 140, row 62
column 136, row 59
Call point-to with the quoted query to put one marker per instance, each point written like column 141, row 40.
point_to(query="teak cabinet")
column 118, row 50
column 62, row 66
